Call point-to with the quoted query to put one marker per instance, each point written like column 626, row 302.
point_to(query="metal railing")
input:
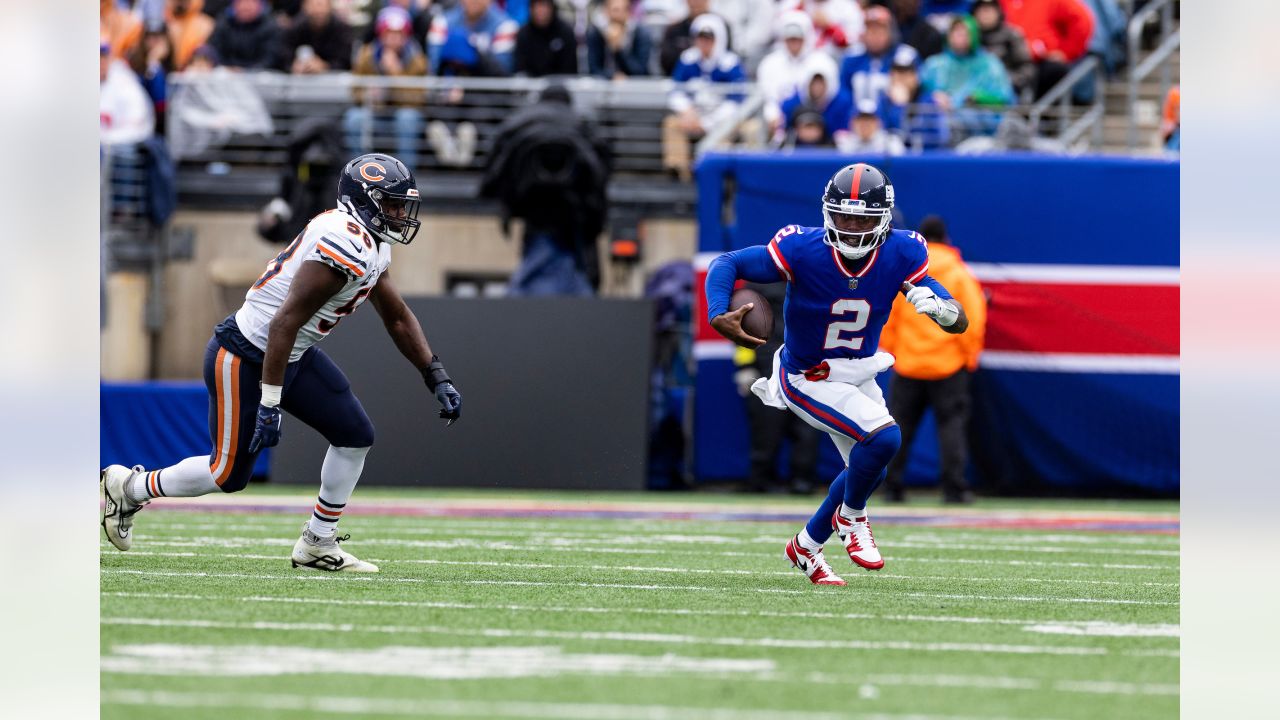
column 1170, row 40
column 1070, row 131
column 628, row 116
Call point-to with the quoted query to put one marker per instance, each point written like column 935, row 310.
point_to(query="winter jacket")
column 332, row 43
column 921, row 35
column 253, row 45
column 694, row 72
column 413, row 62
column 923, row 350
column 485, row 47
column 977, row 77
column 552, row 50
column 865, row 75
column 782, row 74
column 631, row 59
column 1007, row 43
column 677, row 38
column 1063, row 25
column 836, row 107
column 125, row 113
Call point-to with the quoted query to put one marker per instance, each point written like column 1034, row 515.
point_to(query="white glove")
column 928, row 303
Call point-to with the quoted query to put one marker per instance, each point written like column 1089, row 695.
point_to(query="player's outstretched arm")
column 405, row 330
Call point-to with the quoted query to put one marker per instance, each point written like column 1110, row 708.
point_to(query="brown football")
column 758, row 321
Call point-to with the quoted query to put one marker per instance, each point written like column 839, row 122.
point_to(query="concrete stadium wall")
column 229, row 255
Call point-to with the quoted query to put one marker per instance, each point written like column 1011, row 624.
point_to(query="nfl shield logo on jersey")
column 853, row 283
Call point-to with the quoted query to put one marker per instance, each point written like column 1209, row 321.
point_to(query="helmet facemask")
column 395, row 216
column 854, row 244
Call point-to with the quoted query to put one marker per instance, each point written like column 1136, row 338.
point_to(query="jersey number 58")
column 861, row 310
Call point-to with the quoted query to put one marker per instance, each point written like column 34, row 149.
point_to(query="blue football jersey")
column 831, row 312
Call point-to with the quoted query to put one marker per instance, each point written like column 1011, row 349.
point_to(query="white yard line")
column 612, row 636
column 911, row 539
column 680, row 612
column 366, row 706
column 655, row 569
column 350, row 577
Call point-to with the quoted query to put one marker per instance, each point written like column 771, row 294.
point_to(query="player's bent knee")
column 883, row 441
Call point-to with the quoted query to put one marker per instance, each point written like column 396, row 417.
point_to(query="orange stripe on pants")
column 228, row 391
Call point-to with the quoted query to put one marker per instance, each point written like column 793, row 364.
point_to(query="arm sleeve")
column 753, row 264
column 935, row 286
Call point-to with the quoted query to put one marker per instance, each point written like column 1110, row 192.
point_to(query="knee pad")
column 882, row 443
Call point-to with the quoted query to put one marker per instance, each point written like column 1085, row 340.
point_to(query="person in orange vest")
column 933, row 367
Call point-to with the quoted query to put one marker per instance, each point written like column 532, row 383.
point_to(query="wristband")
column 270, row 394
column 434, row 373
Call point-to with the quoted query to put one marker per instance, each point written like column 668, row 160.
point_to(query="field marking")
column 203, row 541
column 1104, row 629
column 365, row 706
column 348, row 577
column 425, row 662
column 471, row 663
column 615, row 636
column 655, row 569
column 682, row 612
column 724, row 533
column 578, row 537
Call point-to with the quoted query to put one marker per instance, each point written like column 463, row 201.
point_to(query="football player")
column 842, row 279
column 263, row 359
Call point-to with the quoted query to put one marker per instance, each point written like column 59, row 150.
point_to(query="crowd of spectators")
column 840, row 63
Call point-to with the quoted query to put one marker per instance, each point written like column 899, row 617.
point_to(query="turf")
column 573, row 617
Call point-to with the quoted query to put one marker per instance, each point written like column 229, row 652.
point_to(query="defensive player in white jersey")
column 263, row 359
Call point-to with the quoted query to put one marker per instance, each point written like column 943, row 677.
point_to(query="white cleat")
column 812, row 564
column 118, row 511
column 858, row 541
column 317, row 553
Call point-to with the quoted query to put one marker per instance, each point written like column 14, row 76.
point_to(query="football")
column 758, row 322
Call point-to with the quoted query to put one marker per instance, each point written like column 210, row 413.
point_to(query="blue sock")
column 868, row 461
column 819, row 526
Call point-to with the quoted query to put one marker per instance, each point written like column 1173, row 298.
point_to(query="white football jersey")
column 336, row 239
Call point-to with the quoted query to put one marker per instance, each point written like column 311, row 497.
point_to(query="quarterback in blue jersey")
column 842, row 279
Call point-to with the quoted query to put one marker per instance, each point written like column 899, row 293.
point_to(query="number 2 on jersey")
column 861, row 310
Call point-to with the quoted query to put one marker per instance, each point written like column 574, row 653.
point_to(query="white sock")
column 807, row 542
column 189, row 478
column 338, row 477
column 851, row 514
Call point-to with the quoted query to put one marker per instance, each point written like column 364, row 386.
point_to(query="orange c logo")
column 373, row 177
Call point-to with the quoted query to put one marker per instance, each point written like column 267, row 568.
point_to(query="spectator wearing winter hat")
column 247, row 36
column 392, row 112
column 820, row 92
column 867, row 135
column 908, row 111
column 695, row 107
column 473, row 38
column 914, row 29
column 864, row 72
column 546, row 45
column 1057, row 32
column 617, row 46
column 964, row 74
column 808, row 130
column 318, row 41
column 678, row 36
column 1005, row 42
column 785, row 71
column 189, row 28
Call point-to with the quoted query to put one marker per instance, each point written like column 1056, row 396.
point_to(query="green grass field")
column 649, row 617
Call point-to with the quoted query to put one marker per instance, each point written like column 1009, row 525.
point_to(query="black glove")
column 447, row 395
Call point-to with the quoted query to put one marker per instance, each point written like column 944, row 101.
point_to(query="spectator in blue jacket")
column 473, row 38
column 247, row 36
column 864, row 72
column 618, row 46
column 821, row 93
column 909, row 112
column 696, row 107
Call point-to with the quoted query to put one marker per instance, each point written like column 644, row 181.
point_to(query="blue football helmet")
column 381, row 192
column 857, row 209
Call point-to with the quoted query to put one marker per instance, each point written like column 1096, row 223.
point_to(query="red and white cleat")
column 858, row 541
column 811, row 563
